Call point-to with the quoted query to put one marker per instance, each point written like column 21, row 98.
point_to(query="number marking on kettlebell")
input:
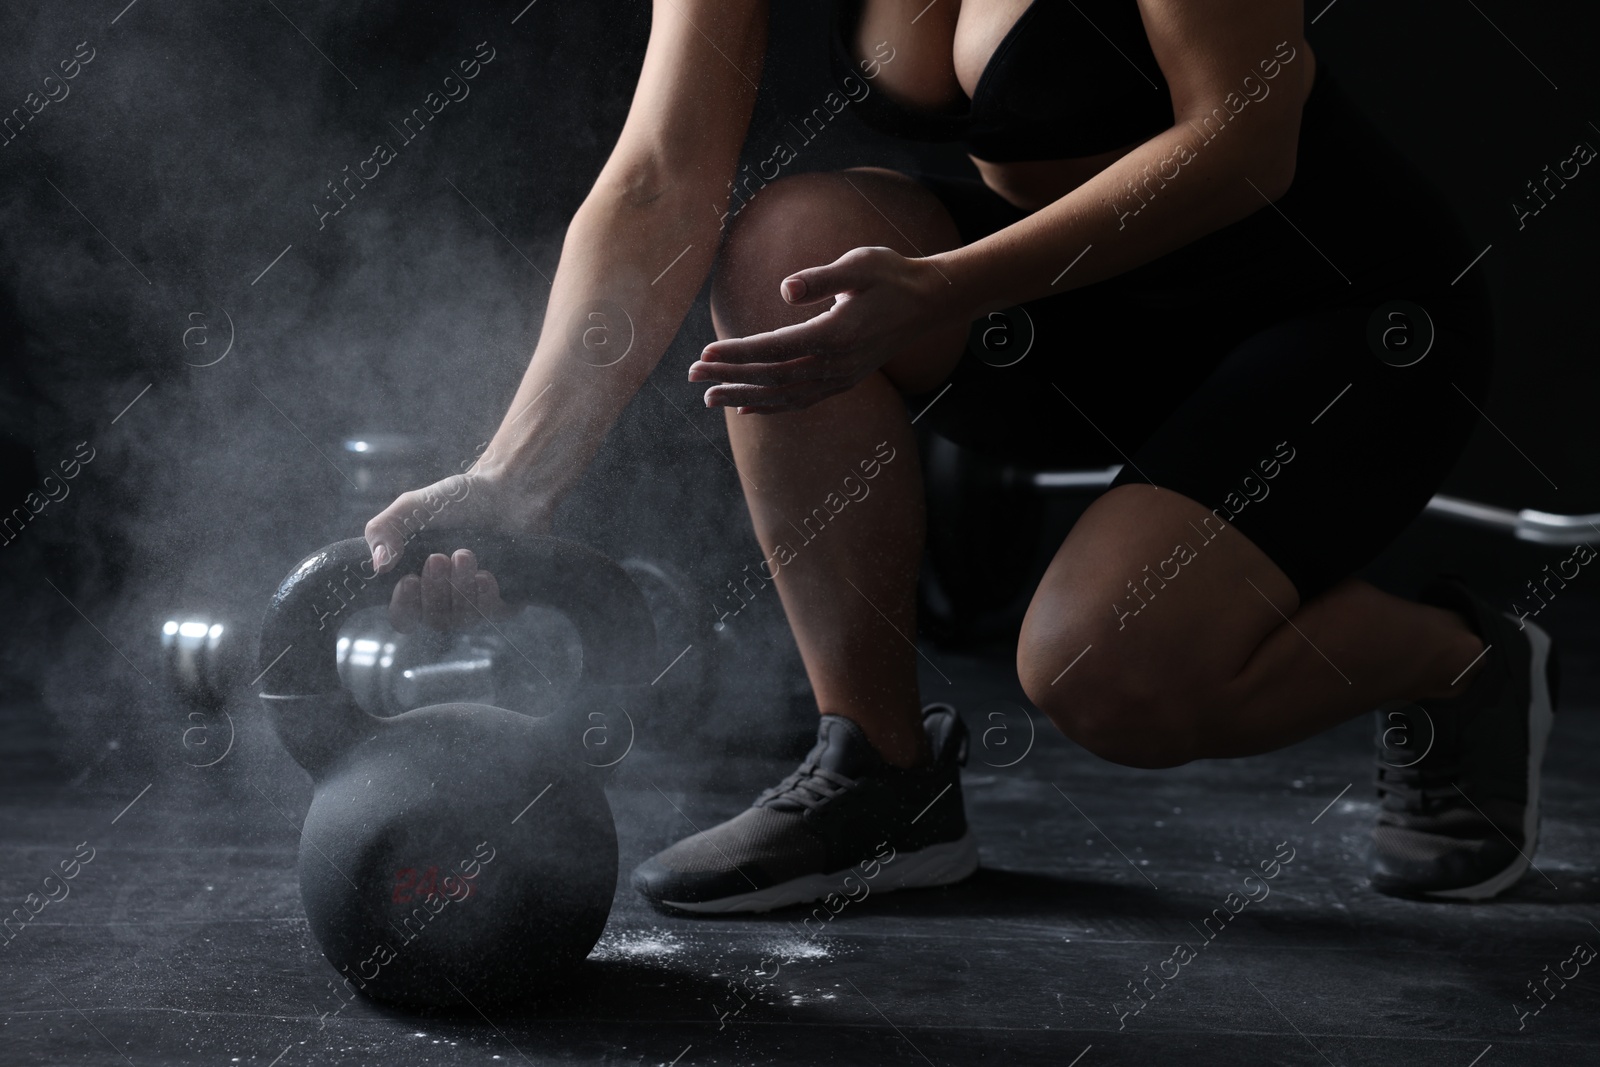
column 406, row 881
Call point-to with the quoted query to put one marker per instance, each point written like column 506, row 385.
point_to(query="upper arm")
column 691, row 108
column 1227, row 58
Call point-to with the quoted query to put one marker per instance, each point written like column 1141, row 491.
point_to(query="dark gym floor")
column 182, row 940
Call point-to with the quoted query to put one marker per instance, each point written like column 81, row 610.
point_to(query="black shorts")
column 1311, row 372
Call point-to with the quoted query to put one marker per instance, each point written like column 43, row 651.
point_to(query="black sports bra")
column 1071, row 78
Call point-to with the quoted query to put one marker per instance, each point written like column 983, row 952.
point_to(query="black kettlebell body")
column 461, row 854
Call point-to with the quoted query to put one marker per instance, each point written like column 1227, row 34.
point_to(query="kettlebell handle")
column 300, row 632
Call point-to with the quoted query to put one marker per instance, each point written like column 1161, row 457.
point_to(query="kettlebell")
column 458, row 855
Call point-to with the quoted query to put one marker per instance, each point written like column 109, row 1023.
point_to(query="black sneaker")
column 845, row 814
column 1459, row 778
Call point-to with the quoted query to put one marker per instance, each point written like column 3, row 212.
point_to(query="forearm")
column 630, row 268
column 1138, row 209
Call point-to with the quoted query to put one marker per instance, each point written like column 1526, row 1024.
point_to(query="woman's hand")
column 883, row 302
column 452, row 592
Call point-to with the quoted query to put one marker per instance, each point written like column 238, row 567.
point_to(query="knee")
column 1118, row 709
column 787, row 226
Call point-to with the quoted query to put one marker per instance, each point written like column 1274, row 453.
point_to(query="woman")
column 1235, row 287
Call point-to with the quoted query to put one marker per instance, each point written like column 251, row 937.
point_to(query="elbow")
column 637, row 182
column 1277, row 173
column 1269, row 160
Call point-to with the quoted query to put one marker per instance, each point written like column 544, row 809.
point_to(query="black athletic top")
column 1068, row 80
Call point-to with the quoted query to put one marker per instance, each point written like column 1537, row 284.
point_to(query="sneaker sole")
column 932, row 866
column 1541, row 716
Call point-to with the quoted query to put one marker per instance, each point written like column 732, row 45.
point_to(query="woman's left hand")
column 883, row 302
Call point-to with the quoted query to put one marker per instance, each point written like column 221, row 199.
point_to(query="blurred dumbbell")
column 683, row 634
column 196, row 656
column 381, row 466
column 203, row 660
column 984, row 521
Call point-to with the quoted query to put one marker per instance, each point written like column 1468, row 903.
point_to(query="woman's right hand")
column 452, row 592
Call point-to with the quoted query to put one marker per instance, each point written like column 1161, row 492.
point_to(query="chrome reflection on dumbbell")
column 201, row 665
column 526, row 662
column 194, row 657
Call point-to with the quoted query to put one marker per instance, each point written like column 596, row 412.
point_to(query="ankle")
column 901, row 744
column 907, row 758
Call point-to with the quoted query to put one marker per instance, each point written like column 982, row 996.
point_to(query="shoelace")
column 811, row 786
column 1419, row 788
column 1425, row 784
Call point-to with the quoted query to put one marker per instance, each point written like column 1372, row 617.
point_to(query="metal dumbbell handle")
column 1525, row 524
column 300, row 631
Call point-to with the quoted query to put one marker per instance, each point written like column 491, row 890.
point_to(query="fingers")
column 743, row 378
column 817, row 334
column 386, row 533
column 436, row 591
column 438, row 504
column 385, row 543
column 463, row 589
column 806, row 368
column 856, row 269
column 405, row 604
column 450, row 590
column 769, row 399
column 452, row 593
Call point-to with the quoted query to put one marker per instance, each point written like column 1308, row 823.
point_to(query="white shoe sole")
column 1541, row 716
column 931, row 866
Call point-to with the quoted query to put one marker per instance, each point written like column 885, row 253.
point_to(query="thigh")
column 1302, row 454
column 1146, row 612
